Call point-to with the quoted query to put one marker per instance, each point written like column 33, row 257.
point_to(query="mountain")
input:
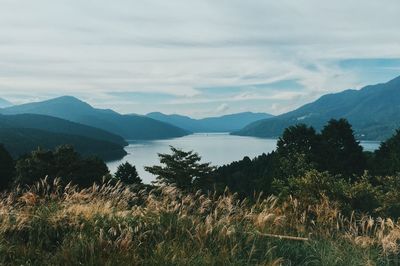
column 4, row 103
column 19, row 141
column 226, row 123
column 130, row 127
column 58, row 125
column 374, row 112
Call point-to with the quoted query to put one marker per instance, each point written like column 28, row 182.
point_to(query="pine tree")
column 127, row 174
column 180, row 168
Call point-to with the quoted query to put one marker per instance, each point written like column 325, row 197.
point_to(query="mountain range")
column 57, row 125
column 374, row 112
column 130, row 127
column 226, row 123
column 22, row 133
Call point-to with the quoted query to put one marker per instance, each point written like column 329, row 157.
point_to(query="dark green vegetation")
column 26, row 132
column 312, row 166
column 64, row 162
column 130, row 127
column 19, row 141
column 7, row 168
column 226, row 123
column 181, row 169
column 57, row 125
column 317, row 200
column 127, row 174
column 373, row 111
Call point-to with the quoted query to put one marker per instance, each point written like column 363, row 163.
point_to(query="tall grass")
column 47, row 224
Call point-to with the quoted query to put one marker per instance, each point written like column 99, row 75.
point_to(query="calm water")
column 217, row 148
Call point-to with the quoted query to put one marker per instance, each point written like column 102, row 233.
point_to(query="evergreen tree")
column 6, row 168
column 181, row 168
column 387, row 157
column 340, row 152
column 296, row 150
column 127, row 174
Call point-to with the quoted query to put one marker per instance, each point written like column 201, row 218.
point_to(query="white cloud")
column 222, row 108
column 88, row 48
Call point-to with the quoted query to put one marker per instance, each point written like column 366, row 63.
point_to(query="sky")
column 198, row 58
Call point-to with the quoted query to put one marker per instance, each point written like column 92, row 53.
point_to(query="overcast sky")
column 199, row 58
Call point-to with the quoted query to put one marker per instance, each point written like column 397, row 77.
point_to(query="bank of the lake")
column 217, row 148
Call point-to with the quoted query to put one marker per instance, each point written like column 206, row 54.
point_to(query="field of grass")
column 115, row 225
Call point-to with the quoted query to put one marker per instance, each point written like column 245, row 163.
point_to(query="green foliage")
column 297, row 150
column 387, row 157
column 340, row 153
column 64, row 163
column 246, row 176
column 127, row 174
column 300, row 150
column 6, row 168
column 313, row 186
column 181, row 168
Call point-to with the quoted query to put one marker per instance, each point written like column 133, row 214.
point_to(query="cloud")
column 222, row 108
column 198, row 52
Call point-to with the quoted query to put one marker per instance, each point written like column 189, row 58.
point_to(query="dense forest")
column 318, row 199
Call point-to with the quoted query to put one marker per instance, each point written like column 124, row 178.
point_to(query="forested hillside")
column 130, row 127
column 373, row 111
column 19, row 141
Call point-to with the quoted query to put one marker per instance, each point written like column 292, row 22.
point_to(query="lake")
column 217, row 148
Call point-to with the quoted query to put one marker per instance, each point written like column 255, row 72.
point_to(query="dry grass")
column 115, row 225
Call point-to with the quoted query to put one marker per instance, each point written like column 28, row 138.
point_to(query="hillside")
column 57, row 125
column 373, row 111
column 130, row 127
column 226, row 123
column 19, row 141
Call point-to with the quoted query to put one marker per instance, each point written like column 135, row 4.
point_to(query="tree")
column 340, row 153
column 387, row 158
column 296, row 150
column 181, row 168
column 6, row 168
column 64, row 163
column 34, row 166
column 127, row 174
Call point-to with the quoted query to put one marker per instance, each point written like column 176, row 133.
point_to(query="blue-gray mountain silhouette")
column 374, row 112
column 226, row 123
column 130, row 127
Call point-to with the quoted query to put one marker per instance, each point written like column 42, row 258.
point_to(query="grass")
column 115, row 225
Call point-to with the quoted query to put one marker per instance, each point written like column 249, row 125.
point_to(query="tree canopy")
column 127, row 174
column 180, row 168
column 64, row 163
column 6, row 168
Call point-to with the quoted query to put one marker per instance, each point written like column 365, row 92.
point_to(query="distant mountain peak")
column 68, row 100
